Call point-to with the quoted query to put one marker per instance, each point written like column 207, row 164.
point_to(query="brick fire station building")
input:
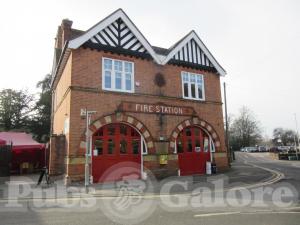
column 159, row 108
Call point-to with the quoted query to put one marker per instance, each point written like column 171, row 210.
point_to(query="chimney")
column 64, row 33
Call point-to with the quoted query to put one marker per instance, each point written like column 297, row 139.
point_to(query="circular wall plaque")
column 159, row 80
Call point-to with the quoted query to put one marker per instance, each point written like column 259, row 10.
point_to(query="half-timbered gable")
column 190, row 51
column 117, row 34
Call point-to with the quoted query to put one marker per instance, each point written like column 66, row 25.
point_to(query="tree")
column 245, row 130
column 40, row 123
column 15, row 109
column 284, row 137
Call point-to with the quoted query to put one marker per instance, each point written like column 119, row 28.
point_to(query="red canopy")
column 24, row 150
column 20, row 140
column 2, row 142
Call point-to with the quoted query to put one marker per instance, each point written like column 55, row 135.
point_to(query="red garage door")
column 193, row 148
column 113, row 145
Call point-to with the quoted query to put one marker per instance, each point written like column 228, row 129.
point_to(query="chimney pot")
column 66, row 23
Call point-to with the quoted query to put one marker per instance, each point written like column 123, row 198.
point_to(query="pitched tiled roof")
column 76, row 33
column 160, row 51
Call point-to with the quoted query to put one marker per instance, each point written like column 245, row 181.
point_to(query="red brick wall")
column 107, row 103
column 86, row 92
column 87, row 70
column 57, row 155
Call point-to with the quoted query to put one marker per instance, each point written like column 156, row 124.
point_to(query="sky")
column 256, row 41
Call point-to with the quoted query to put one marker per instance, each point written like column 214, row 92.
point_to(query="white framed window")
column 117, row 75
column 192, row 86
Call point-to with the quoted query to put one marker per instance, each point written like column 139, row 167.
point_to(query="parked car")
column 261, row 148
column 250, row 149
column 273, row 149
column 284, row 148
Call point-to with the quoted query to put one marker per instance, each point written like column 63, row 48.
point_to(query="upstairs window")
column 192, row 86
column 117, row 75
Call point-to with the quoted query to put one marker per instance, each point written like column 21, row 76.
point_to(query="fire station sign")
column 157, row 108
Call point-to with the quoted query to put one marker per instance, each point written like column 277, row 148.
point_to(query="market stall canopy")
column 2, row 142
column 20, row 140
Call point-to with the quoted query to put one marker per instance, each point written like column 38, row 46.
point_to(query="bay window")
column 192, row 86
column 118, row 75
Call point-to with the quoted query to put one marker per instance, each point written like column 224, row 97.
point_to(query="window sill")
column 195, row 99
column 118, row 91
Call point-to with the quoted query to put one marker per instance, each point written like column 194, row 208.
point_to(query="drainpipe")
column 87, row 146
column 52, row 112
column 226, row 126
column 297, row 136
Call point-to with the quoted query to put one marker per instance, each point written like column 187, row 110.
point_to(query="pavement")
column 253, row 173
column 241, row 174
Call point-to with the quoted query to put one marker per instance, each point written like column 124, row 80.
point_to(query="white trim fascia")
column 161, row 58
column 192, row 35
column 77, row 42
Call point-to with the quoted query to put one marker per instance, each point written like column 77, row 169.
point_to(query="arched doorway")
column 193, row 146
column 116, row 143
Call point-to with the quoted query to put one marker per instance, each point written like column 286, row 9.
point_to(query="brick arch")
column 119, row 118
column 194, row 122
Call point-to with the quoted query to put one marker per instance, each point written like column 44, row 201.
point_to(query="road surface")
column 192, row 208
